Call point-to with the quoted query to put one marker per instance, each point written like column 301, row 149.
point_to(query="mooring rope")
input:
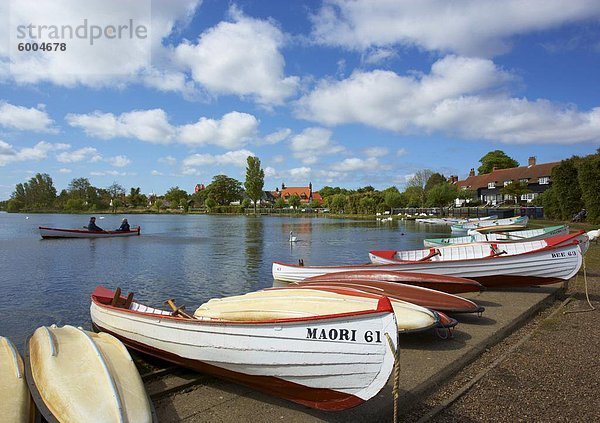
column 396, row 386
column 587, row 296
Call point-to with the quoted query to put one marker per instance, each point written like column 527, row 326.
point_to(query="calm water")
column 191, row 258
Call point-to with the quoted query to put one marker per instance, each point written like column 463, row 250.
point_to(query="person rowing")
column 124, row 226
column 92, row 225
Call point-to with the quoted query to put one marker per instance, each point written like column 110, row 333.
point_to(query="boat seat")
column 432, row 253
column 117, row 301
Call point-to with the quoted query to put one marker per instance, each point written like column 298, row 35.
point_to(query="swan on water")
column 293, row 238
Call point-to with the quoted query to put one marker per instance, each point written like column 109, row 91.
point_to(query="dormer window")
column 508, row 182
column 544, row 180
column 491, row 185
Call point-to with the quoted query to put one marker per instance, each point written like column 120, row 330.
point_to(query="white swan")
column 293, row 238
column 594, row 235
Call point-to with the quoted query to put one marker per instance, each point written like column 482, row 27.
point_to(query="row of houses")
column 486, row 187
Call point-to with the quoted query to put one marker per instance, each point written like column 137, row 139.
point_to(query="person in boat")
column 124, row 226
column 92, row 225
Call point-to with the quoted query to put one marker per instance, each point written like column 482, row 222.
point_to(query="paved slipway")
column 523, row 360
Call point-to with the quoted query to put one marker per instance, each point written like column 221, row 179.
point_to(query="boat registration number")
column 334, row 334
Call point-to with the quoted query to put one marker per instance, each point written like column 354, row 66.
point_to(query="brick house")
column 487, row 186
column 306, row 194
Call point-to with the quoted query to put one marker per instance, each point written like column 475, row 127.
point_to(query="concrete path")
column 426, row 360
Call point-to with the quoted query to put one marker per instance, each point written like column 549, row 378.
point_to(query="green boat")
column 515, row 236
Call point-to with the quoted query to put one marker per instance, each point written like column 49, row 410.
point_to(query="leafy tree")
column 246, row 203
column 515, row 189
column 419, row 180
column 199, row 198
column 210, row 203
column 117, row 194
column 37, row 193
column 176, row 196
column 434, row 179
column 466, row 194
column 294, row 201
column 79, row 188
column 158, row 203
column 366, row 189
column 588, row 173
column 338, row 203
column 255, row 180
column 279, row 203
column 224, row 190
column 441, row 195
column 565, row 183
column 414, row 196
column 368, row 204
column 393, row 199
column 497, row 159
column 315, row 204
column 135, row 198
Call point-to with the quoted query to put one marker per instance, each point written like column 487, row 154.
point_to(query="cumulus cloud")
column 312, row 143
column 9, row 154
column 118, row 161
column 83, row 154
column 355, row 164
column 234, row 130
column 401, row 152
column 376, row 151
column 469, row 27
column 242, row 58
column 24, row 118
column 169, row 160
column 234, row 158
column 64, row 170
column 276, row 137
column 465, row 97
column 146, row 125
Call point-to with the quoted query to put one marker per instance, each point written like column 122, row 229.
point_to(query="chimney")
column 282, row 186
column 276, row 189
column 310, row 186
column 453, row 179
column 472, row 172
column 531, row 161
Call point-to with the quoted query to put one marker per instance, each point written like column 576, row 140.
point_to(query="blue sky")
column 339, row 93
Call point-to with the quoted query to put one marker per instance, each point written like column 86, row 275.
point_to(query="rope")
column 587, row 296
column 396, row 386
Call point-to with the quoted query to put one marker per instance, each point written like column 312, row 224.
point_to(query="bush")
column 588, row 174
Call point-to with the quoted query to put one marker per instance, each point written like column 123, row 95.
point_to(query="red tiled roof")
column 302, row 192
column 532, row 173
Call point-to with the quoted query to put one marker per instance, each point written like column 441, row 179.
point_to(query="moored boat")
column 425, row 297
column 511, row 264
column 49, row 233
column 446, row 221
column 16, row 404
column 519, row 222
column 80, row 376
column 513, row 236
column 278, row 303
column 331, row 362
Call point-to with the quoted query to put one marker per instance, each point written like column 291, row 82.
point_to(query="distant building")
column 306, row 194
column 487, row 186
column 199, row 187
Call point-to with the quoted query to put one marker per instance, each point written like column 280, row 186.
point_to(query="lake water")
column 191, row 258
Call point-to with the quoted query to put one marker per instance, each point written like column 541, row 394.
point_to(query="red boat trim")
column 319, row 398
column 79, row 231
column 383, row 306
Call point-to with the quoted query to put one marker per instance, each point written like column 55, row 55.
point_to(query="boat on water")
column 278, row 303
column 443, row 283
column 16, row 404
column 330, row 362
column 496, row 265
column 80, row 376
column 513, row 236
column 446, row 221
column 49, row 233
column 519, row 222
column 425, row 297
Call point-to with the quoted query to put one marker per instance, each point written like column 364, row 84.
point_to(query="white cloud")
column 312, row 143
column 376, row 151
column 460, row 96
column 64, row 170
column 112, row 173
column 234, row 130
column 235, row 158
column 275, row 137
column 169, row 160
column 156, row 173
column 355, row 164
column 8, row 154
column 146, row 125
column 270, row 172
column 83, row 154
column 25, row 119
column 300, row 173
column 118, row 161
column 470, row 27
column 105, row 63
column 241, row 57
column 401, row 152
column 278, row 158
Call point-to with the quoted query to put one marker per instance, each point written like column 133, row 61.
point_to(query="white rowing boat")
column 80, row 376
column 493, row 224
column 49, row 233
column 15, row 402
column 331, row 362
column 279, row 303
column 446, row 221
column 514, row 236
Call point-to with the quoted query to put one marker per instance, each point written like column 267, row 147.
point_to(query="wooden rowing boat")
column 50, row 233
column 449, row 284
column 511, row 264
column 15, row 404
column 278, row 303
column 447, row 221
column 513, row 236
column 425, row 297
column 80, row 376
column 331, row 362
column 510, row 223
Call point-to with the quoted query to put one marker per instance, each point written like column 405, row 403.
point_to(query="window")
column 508, row 182
column 491, row 185
column 544, row 180
column 529, row 196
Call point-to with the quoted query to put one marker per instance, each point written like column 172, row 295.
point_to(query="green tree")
column 441, row 195
column 279, row 203
column 294, row 201
column 315, row 204
column 588, row 173
column 246, row 203
column 368, row 204
column 210, row 203
column 224, row 190
column 199, row 198
column 565, row 183
column 434, row 179
column 255, row 180
column 117, row 194
column 497, row 159
column 338, row 203
column 414, row 196
column 515, row 189
column 37, row 193
column 393, row 199
column 79, row 188
column 137, row 199
column 419, row 180
column 176, row 196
